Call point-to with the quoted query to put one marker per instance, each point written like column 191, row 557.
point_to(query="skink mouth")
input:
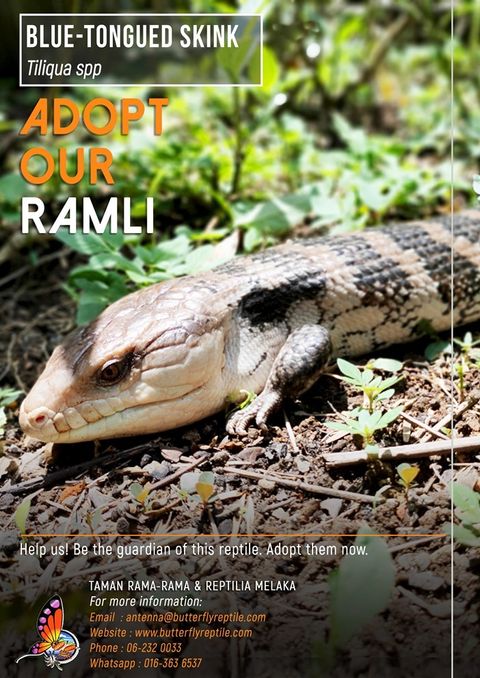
column 48, row 425
column 109, row 419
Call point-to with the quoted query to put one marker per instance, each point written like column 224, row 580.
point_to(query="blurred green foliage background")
column 351, row 128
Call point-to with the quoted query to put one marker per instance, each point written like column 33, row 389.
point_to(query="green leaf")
column 142, row 496
column 9, row 395
column 436, row 348
column 21, row 515
column 369, row 421
column 361, row 589
column 385, row 395
column 206, row 477
column 389, row 416
column 253, row 239
column 349, row 370
column 88, row 310
column 467, row 502
column 12, row 188
column 139, row 209
column 464, row 497
column 338, row 426
column 234, row 61
column 271, row 69
column 374, row 195
column 385, row 384
column 136, row 489
column 367, row 377
column 275, row 217
column 84, row 243
column 463, row 535
column 354, row 138
column 114, row 260
column 386, row 364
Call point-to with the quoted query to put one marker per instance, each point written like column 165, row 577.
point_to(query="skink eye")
column 113, row 371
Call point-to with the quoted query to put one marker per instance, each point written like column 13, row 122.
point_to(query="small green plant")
column 196, row 487
column 21, row 514
column 467, row 510
column 467, row 355
column 461, row 367
column 245, row 514
column 365, row 424
column 234, row 403
column 141, row 493
column 375, row 388
column 407, row 474
column 360, row 589
column 469, row 347
column 367, row 420
column 205, row 487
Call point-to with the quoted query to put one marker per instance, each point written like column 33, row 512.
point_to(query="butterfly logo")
column 57, row 646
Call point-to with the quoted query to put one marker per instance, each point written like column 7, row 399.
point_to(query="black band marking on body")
column 436, row 259
column 269, row 304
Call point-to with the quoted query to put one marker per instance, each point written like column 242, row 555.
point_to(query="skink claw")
column 258, row 412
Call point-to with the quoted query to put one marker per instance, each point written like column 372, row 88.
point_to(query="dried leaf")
column 71, row 491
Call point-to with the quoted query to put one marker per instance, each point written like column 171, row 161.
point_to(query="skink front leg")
column 296, row 368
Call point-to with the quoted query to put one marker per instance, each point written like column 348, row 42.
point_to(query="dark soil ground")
column 259, row 488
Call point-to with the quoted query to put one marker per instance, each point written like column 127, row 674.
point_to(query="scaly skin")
column 172, row 353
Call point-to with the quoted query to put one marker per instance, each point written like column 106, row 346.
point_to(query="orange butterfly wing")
column 40, row 648
column 50, row 621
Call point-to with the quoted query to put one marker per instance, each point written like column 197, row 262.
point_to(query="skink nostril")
column 37, row 419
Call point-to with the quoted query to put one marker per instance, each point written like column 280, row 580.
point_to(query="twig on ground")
column 174, row 476
column 415, row 451
column 290, row 432
column 278, row 504
column 422, row 424
column 304, row 487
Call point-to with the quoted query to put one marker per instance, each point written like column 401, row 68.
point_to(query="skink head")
column 147, row 364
